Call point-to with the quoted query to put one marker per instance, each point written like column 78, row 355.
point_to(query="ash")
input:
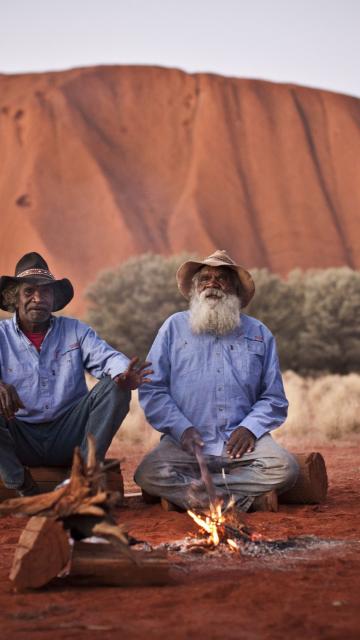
column 248, row 548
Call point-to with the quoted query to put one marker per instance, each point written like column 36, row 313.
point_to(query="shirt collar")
column 16, row 324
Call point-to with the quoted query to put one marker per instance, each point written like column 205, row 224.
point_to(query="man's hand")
column 135, row 375
column 191, row 439
column 241, row 441
column 9, row 401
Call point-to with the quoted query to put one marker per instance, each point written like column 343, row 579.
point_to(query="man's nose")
column 38, row 294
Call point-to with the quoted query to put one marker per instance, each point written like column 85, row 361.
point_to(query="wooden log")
column 49, row 477
column 42, row 553
column 312, row 484
column 100, row 563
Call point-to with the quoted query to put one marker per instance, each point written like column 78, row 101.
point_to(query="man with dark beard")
column 217, row 386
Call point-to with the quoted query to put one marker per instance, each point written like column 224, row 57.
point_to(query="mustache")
column 213, row 292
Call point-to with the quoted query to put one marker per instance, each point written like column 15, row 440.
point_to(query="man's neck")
column 34, row 327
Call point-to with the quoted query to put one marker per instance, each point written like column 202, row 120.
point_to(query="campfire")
column 55, row 540
column 221, row 526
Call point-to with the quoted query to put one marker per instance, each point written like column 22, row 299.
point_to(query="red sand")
column 317, row 595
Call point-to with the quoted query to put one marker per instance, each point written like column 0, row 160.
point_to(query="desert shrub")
column 330, row 337
column 314, row 316
column 129, row 303
column 279, row 304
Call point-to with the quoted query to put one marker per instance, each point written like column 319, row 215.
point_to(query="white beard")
column 218, row 315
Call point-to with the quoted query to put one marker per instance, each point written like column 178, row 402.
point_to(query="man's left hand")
column 135, row 375
column 241, row 441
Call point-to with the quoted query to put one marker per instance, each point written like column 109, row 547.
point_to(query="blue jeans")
column 170, row 472
column 100, row 413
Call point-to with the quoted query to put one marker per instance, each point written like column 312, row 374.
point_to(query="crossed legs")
column 170, row 472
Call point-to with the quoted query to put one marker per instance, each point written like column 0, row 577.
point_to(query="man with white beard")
column 217, row 386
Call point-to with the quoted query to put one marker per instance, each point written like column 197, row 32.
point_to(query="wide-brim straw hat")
column 219, row 258
column 32, row 268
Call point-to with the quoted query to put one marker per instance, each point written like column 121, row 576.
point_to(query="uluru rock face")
column 99, row 164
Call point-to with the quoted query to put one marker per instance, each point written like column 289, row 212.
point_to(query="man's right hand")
column 191, row 439
column 9, row 401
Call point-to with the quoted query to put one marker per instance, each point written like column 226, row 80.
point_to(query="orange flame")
column 210, row 524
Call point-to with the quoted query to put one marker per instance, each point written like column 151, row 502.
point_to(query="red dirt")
column 315, row 595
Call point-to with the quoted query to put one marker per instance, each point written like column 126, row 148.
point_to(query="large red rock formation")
column 99, row 164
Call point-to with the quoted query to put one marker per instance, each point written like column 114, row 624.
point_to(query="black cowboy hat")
column 33, row 268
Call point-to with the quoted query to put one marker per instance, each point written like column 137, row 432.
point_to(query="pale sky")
column 310, row 42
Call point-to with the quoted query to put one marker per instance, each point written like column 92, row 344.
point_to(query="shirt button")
column 219, row 388
column 221, row 409
column 218, row 370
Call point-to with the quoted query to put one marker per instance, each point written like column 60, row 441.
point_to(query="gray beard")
column 210, row 315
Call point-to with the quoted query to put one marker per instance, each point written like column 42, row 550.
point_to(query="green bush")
column 130, row 303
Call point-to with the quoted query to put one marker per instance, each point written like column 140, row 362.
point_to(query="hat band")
column 36, row 272
column 223, row 259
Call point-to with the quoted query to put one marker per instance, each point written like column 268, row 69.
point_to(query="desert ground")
column 313, row 592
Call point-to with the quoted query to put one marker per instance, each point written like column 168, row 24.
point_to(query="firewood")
column 312, row 483
column 116, row 535
column 101, row 564
column 48, row 478
column 42, row 552
column 84, row 494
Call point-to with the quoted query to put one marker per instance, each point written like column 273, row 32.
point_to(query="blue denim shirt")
column 51, row 381
column 214, row 383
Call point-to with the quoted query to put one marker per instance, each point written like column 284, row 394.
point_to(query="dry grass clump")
column 324, row 408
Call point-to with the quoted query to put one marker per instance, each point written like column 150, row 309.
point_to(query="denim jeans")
column 100, row 413
column 170, row 472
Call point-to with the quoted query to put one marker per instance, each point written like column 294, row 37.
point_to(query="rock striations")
column 99, row 164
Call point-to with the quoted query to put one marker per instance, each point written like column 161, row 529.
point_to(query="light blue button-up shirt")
column 214, row 383
column 51, row 381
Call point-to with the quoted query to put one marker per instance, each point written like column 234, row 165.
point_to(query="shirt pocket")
column 66, row 365
column 256, row 353
column 247, row 357
column 187, row 357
